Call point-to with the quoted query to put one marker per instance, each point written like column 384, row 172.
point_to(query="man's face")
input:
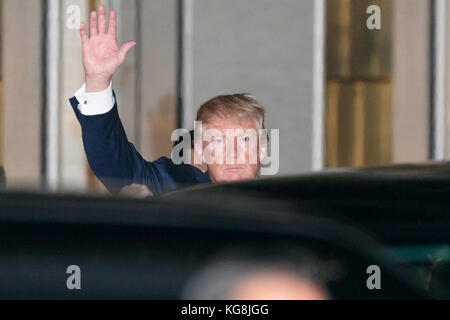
column 230, row 141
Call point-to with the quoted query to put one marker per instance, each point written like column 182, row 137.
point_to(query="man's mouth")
column 234, row 169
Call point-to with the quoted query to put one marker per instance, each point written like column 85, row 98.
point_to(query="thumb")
column 125, row 48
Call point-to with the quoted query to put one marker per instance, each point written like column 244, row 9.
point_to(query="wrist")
column 96, row 83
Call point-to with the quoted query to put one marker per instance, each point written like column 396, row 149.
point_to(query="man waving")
column 117, row 163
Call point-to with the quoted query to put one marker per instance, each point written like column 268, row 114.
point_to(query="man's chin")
column 232, row 177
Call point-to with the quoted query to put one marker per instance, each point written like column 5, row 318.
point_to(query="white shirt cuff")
column 94, row 103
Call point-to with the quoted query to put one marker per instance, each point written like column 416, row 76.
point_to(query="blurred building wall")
column 378, row 83
column 359, row 84
column 265, row 48
column 1, row 82
column 124, row 82
column 73, row 165
column 22, row 23
column 158, row 77
column 411, row 80
column 447, row 137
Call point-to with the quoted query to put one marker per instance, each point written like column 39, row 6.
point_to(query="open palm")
column 101, row 55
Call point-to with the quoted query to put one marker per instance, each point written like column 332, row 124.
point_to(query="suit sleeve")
column 112, row 158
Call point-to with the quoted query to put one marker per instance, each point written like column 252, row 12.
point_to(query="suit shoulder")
column 180, row 172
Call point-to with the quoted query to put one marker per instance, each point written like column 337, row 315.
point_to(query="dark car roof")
column 149, row 249
column 396, row 203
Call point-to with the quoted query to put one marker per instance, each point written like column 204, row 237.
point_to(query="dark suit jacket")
column 116, row 162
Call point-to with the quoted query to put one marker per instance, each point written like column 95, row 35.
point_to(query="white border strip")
column 52, row 94
column 318, row 98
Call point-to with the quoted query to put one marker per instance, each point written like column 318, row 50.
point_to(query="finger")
column 93, row 23
column 83, row 33
column 125, row 48
column 101, row 19
column 112, row 24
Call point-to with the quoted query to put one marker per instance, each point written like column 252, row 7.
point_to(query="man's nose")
column 232, row 147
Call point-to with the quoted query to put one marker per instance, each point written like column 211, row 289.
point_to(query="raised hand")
column 101, row 56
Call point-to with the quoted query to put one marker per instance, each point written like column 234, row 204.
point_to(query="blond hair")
column 240, row 106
